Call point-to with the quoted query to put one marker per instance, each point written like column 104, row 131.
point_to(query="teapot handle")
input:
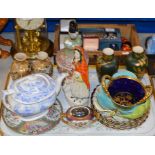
column 103, row 82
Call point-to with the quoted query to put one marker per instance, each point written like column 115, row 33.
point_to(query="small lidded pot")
column 42, row 64
column 78, row 117
column 106, row 64
column 20, row 66
column 137, row 61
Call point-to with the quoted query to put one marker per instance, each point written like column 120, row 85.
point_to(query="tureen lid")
column 33, row 88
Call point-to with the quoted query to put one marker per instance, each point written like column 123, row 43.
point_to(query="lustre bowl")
column 132, row 111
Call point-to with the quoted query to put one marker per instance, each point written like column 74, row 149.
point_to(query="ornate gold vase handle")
column 111, row 113
column 148, row 90
column 103, row 81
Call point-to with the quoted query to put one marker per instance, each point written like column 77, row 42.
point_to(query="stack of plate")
column 115, row 117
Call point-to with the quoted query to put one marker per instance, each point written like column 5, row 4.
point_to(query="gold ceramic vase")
column 106, row 64
column 137, row 61
column 20, row 66
column 42, row 64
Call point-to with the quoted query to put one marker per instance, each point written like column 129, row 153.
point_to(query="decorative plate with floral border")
column 37, row 126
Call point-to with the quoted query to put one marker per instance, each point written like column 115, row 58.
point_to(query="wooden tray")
column 127, row 30
column 147, row 128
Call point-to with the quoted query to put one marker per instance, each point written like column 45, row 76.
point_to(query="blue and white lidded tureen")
column 32, row 94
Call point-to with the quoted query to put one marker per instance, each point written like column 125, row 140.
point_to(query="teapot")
column 33, row 94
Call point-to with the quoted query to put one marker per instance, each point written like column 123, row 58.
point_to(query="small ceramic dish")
column 36, row 124
column 78, row 117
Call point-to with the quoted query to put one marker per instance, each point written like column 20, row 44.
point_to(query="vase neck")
column 137, row 55
column 108, row 57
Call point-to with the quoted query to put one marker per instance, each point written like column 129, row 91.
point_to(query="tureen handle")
column 148, row 90
column 7, row 92
column 4, row 94
column 104, row 83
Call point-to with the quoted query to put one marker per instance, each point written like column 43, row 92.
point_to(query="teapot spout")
column 59, row 81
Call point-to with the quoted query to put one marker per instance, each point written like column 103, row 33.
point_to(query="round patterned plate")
column 37, row 126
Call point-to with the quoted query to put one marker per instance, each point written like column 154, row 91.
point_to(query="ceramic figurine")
column 123, row 95
column 77, row 87
column 137, row 61
column 32, row 94
column 106, row 63
column 73, row 39
column 64, row 60
column 78, row 117
column 33, row 125
column 20, row 66
column 42, row 64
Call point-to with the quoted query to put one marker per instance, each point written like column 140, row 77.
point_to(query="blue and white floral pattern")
column 33, row 88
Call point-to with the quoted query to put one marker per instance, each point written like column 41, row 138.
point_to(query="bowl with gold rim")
column 125, row 94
